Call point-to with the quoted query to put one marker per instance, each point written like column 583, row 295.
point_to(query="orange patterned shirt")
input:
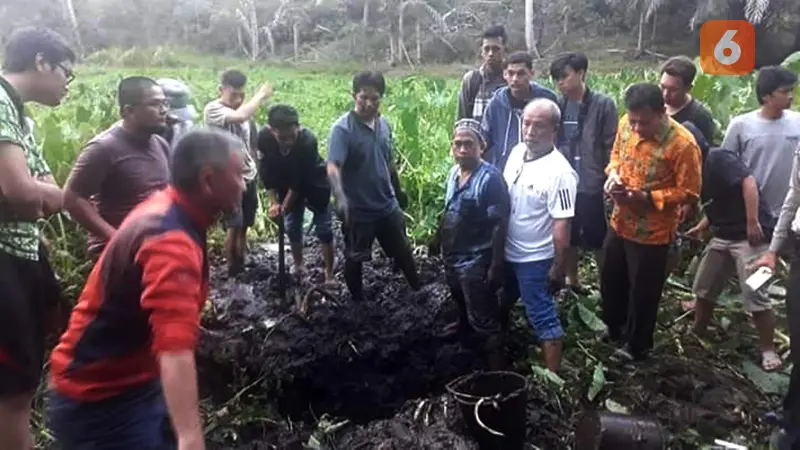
column 668, row 166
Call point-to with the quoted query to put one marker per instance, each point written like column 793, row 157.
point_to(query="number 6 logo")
column 727, row 47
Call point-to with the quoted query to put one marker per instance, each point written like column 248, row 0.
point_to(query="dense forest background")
column 398, row 32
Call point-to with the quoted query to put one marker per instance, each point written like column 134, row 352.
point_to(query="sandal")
column 770, row 361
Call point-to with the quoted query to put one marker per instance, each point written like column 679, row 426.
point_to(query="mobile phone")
column 759, row 278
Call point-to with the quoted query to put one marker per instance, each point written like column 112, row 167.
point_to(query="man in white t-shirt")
column 542, row 186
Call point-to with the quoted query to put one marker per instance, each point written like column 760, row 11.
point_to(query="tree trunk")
column 530, row 39
column 365, row 28
column 69, row 11
column 296, row 40
column 255, row 47
column 419, row 41
column 655, row 26
column 640, row 39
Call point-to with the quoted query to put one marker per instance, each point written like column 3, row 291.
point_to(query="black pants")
column 631, row 285
column 791, row 403
column 390, row 231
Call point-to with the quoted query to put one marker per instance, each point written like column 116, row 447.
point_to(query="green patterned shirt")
column 20, row 239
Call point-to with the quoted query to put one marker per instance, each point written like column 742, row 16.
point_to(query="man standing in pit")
column 181, row 114
column 121, row 166
column 37, row 67
column 123, row 375
column 677, row 77
column 542, row 186
column 502, row 119
column 588, row 127
column 472, row 235
column 654, row 170
column 231, row 113
column 766, row 138
column 366, row 185
column 294, row 176
column 478, row 85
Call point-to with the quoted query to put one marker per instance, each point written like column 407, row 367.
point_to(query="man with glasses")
column 121, row 166
column 37, row 68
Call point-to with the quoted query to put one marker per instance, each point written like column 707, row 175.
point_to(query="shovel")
column 281, row 260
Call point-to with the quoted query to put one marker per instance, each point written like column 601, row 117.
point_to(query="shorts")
column 470, row 282
column 246, row 215
column 721, row 259
column 293, row 223
column 29, row 290
column 589, row 225
column 390, row 231
column 531, row 281
column 135, row 420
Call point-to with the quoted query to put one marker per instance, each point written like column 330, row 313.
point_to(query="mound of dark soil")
column 357, row 360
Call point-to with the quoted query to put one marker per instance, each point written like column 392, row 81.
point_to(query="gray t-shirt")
column 767, row 148
column 363, row 157
column 214, row 115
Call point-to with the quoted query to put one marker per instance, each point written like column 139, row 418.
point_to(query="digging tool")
column 281, row 260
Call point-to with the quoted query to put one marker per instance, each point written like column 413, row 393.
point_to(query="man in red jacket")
column 123, row 375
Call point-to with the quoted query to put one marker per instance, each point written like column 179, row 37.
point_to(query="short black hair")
column 640, row 96
column 27, row 42
column 369, row 78
column 233, row 78
column 495, row 32
column 282, row 116
column 519, row 58
column 573, row 60
column 772, row 78
column 681, row 67
column 131, row 90
column 198, row 148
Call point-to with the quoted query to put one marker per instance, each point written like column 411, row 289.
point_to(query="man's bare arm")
column 179, row 379
column 21, row 196
column 84, row 212
column 499, row 242
column 561, row 233
column 334, row 175
column 248, row 109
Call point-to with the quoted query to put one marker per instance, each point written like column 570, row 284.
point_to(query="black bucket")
column 493, row 408
column 603, row 430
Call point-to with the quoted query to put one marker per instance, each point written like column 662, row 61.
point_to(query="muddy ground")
column 371, row 375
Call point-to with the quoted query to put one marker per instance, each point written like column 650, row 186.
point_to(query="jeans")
column 531, row 281
column 293, row 222
column 135, row 420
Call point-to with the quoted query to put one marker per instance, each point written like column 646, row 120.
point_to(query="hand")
column 613, row 182
column 275, row 210
column 402, row 199
column 191, row 443
column 768, row 259
column 695, row 232
column 755, row 235
column 556, row 278
column 343, row 211
column 265, row 92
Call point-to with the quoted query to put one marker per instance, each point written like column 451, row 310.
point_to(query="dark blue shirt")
column 723, row 175
column 472, row 212
column 363, row 156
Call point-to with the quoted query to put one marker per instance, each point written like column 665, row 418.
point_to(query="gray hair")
column 198, row 148
column 545, row 103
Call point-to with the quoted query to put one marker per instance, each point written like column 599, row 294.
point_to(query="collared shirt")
column 20, row 239
column 143, row 297
column 667, row 165
column 471, row 212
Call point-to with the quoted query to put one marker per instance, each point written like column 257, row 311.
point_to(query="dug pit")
column 362, row 361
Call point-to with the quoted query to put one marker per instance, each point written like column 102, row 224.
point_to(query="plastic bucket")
column 493, row 408
column 604, row 430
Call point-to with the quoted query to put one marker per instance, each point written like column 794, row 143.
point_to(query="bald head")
column 540, row 121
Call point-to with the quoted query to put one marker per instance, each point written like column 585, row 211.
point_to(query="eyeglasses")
column 69, row 74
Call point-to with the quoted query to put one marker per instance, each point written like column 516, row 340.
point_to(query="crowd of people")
column 537, row 177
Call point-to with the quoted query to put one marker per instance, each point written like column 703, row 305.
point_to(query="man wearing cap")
column 121, row 166
column 472, row 236
column 181, row 114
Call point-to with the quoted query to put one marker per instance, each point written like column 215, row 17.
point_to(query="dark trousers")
column 791, row 403
column 631, row 285
column 390, row 231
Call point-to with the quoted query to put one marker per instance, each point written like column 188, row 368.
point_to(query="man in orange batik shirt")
column 654, row 169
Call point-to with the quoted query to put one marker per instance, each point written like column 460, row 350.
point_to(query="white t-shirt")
column 540, row 191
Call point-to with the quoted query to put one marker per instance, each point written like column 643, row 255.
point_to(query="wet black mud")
column 371, row 375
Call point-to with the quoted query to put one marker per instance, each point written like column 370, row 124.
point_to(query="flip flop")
column 770, row 361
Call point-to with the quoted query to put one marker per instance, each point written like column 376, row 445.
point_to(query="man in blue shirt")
column 366, row 185
column 473, row 234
